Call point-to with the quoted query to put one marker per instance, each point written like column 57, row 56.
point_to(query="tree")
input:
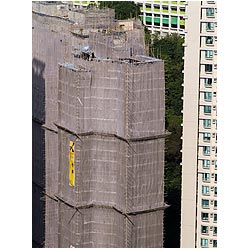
column 170, row 50
column 123, row 9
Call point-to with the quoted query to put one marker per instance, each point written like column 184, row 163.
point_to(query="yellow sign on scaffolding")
column 72, row 163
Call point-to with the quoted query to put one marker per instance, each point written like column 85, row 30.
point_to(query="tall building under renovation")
column 199, row 147
column 98, row 131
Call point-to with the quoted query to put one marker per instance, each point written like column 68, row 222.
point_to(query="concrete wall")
column 92, row 18
column 190, row 127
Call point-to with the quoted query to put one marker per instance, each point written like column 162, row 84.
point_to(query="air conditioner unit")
column 211, row 228
column 212, row 188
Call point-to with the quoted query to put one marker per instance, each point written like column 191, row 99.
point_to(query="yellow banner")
column 72, row 163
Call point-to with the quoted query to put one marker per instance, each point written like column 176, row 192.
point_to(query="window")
column 174, row 21
column 208, row 53
column 206, row 137
column 204, row 229
column 215, row 231
column 165, row 8
column 210, row 11
column 182, row 10
column 165, row 21
column 182, row 23
column 204, row 216
column 148, row 18
column 215, row 162
column 205, row 203
column 215, row 203
column 206, row 150
column 209, row 40
column 215, row 177
column 209, row 26
column 215, row 190
column 204, row 242
column 205, row 176
column 207, row 109
column 208, row 82
column 206, row 163
column 205, row 190
column 215, row 217
column 207, row 123
column 214, row 243
column 174, row 10
column 208, row 96
column 157, row 8
column 157, row 19
column 208, row 68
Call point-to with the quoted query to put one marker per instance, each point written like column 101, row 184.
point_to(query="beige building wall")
column 199, row 145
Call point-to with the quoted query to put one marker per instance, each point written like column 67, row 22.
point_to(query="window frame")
column 208, row 96
column 207, row 109
column 209, row 54
column 207, row 137
column 205, row 188
column 206, row 177
column 210, row 26
column 205, row 205
column 209, row 40
column 215, row 217
column 208, row 68
column 204, row 218
column 207, row 82
column 208, row 12
column 206, row 163
column 204, row 231
column 207, row 124
column 204, row 242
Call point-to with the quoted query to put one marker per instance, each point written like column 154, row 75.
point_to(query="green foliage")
column 147, row 36
column 123, row 9
column 173, row 180
column 170, row 49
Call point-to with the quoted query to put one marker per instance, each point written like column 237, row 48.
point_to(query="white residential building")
column 199, row 140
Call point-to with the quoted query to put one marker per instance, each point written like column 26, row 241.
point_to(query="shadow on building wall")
column 172, row 218
column 38, row 153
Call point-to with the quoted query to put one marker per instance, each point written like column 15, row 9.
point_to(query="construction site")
column 98, row 120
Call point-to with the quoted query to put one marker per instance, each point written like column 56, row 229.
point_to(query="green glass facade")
column 165, row 15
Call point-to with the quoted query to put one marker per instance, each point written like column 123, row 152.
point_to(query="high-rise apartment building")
column 163, row 16
column 199, row 145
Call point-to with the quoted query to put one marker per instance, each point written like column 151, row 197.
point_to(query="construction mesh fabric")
column 110, row 109
column 115, row 171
